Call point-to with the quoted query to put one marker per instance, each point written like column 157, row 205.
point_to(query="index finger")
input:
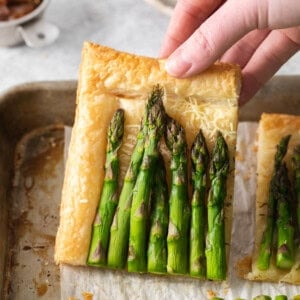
column 186, row 18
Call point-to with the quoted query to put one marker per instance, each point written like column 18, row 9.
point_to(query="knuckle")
column 293, row 35
column 204, row 42
column 246, row 48
column 173, row 38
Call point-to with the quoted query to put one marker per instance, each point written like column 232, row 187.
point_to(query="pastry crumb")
column 243, row 266
column 247, row 176
column 211, row 294
column 255, row 148
column 87, row 296
column 239, row 156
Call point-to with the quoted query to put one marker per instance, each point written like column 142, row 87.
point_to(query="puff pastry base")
column 109, row 80
column 272, row 127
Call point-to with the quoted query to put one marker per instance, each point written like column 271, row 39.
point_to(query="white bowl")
column 16, row 31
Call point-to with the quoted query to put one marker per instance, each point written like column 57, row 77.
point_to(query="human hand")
column 259, row 35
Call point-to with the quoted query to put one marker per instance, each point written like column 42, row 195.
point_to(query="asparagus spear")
column 179, row 214
column 137, row 256
column 157, row 247
column 200, row 158
column 296, row 178
column 281, row 297
column 265, row 249
column 215, row 242
column 119, row 232
column 285, row 229
column 109, row 197
column 262, row 297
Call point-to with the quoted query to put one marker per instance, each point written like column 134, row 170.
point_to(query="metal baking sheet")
column 32, row 119
column 34, row 203
column 31, row 171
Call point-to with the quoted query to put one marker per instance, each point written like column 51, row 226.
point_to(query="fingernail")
column 176, row 66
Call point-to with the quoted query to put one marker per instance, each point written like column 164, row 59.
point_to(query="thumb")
column 224, row 28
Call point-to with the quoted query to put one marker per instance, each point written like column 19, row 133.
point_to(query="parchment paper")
column 108, row 284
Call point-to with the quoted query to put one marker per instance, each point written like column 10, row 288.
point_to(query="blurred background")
column 128, row 25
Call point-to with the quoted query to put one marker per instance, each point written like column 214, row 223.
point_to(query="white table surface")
column 129, row 25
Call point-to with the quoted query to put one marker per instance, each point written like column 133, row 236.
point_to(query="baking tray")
column 32, row 118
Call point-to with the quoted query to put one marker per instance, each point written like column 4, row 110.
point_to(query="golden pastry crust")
column 110, row 80
column 272, row 127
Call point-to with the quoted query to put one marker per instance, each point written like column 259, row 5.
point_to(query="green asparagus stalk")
column 139, row 216
column 285, row 229
column 265, row 248
column 109, row 197
column 217, row 298
column 281, row 297
column 262, row 297
column 119, row 232
column 215, row 242
column 296, row 179
column 200, row 158
column 179, row 214
column 157, row 247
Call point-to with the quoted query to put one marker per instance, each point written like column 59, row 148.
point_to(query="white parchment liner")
column 107, row 284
